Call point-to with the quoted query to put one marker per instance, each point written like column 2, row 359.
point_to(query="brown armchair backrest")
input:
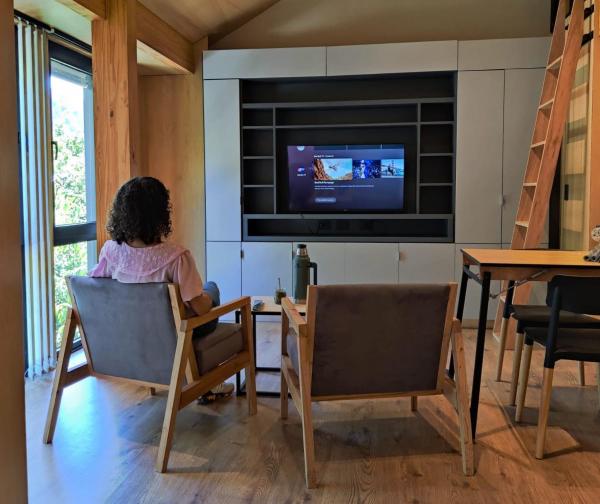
column 379, row 339
column 129, row 328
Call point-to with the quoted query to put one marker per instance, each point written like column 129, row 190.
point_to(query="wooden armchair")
column 372, row 341
column 139, row 333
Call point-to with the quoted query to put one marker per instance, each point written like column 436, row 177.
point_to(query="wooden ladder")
column 545, row 145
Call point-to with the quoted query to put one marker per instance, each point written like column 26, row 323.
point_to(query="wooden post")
column 13, row 476
column 116, row 121
column 594, row 165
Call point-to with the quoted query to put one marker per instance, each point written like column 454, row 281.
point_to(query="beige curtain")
column 37, row 195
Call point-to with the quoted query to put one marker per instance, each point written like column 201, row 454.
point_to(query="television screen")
column 345, row 178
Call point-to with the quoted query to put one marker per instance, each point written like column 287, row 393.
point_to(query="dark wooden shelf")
column 416, row 111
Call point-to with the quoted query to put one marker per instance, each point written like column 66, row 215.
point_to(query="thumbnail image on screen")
column 345, row 178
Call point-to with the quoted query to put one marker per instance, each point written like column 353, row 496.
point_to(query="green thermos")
column 302, row 266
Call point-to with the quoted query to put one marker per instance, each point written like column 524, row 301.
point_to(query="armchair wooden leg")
column 306, row 412
column 309, row 444
column 514, row 380
column 251, row 389
column 413, row 403
column 184, row 346
column 543, row 412
column 582, row 373
column 60, row 375
column 523, row 380
column 501, row 348
column 462, row 401
column 284, row 394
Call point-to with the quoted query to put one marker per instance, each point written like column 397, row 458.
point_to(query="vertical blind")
column 37, row 194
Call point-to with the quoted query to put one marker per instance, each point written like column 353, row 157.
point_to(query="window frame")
column 68, row 234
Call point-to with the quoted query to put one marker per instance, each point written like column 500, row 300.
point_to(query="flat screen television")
column 345, row 178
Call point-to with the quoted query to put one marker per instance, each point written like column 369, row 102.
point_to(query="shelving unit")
column 417, row 111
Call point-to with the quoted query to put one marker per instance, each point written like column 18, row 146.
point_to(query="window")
column 74, row 175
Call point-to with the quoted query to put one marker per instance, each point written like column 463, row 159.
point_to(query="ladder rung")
column 529, row 184
column 538, row 144
column 546, row 105
column 554, row 63
column 522, row 223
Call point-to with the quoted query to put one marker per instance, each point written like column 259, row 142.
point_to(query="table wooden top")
column 527, row 258
column 271, row 307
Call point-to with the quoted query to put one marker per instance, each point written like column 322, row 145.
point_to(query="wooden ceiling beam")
column 91, row 9
column 153, row 35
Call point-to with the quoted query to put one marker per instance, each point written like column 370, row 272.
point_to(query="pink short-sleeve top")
column 165, row 262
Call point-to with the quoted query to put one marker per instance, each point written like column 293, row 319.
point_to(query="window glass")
column 73, row 199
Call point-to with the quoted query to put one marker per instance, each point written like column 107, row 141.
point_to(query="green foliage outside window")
column 69, row 188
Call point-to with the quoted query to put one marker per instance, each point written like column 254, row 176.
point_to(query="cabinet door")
column 480, row 104
column 224, row 266
column 222, row 160
column 529, row 52
column 404, row 57
column 371, row 262
column 330, row 261
column 522, row 96
column 263, row 264
column 426, row 262
column 264, row 63
column 471, row 311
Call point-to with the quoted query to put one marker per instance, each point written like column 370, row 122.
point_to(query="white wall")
column 296, row 23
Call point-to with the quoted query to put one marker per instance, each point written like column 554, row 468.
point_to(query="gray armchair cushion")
column 129, row 328
column 218, row 346
column 130, row 331
column 373, row 339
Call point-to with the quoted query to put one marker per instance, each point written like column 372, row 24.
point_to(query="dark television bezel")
column 338, row 210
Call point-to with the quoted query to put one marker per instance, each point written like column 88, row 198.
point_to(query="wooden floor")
column 367, row 451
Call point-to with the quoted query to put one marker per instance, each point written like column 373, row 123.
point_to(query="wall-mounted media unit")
column 353, row 159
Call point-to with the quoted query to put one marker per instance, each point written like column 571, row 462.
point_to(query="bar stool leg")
column 501, row 348
column 516, row 366
column 523, row 379
column 543, row 413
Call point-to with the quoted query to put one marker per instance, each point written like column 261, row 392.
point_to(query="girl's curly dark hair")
column 141, row 210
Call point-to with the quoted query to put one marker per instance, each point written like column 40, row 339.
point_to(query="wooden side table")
column 269, row 307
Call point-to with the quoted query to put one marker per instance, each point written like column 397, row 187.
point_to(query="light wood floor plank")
column 107, row 435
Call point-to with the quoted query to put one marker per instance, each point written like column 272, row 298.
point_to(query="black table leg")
column 462, row 294
column 241, row 386
column 483, row 311
column 238, row 380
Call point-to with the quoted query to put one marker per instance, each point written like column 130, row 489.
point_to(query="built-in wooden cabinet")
column 262, row 264
column 497, row 91
column 422, row 262
column 371, row 263
column 222, row 160
column 392, row 58
column 265, row 63
column 479, row 138
column 224, row 266
column 493, row 54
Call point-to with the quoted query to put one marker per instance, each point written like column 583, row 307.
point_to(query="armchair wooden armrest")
column 237, row 304
column 296, row 321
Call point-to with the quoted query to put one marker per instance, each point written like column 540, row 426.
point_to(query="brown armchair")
column 139, row 333
column 371, row 341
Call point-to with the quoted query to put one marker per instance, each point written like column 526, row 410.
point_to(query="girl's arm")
column 201, row 304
